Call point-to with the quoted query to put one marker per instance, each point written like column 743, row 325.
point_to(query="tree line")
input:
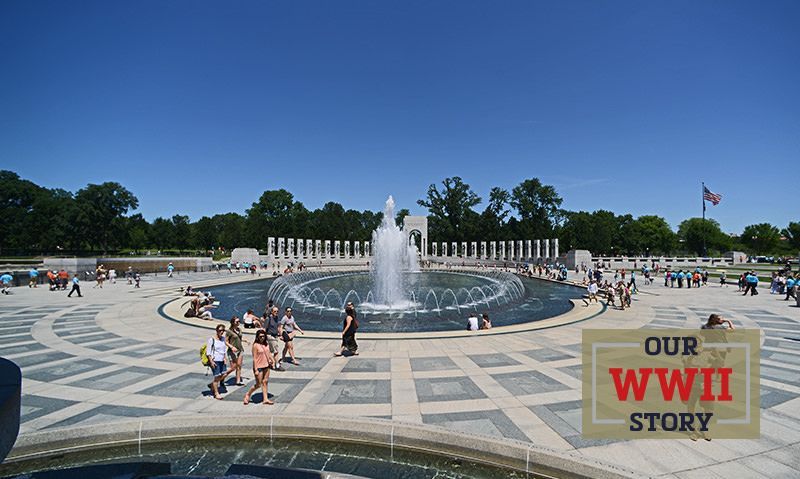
column 37, row 220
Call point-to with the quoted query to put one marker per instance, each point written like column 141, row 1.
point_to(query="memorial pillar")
column 271, row 247
column 347, row 249
column 327, row 248
column 493, row 248
column 337, row 249
column 547, row 250
column 528, row 252
column 555, row 247
column 474, row 248
column 357, row 249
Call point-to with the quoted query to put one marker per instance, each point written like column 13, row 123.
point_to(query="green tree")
column 538, row 207
column 493, row 217
column 272, row 215
column 138, row 232
column 692, row 231
column 182, row 231
column 761, row 238
column 230, row 229
column 400, row 216
column 598, row 232
column 647, row 235
column 792, row 234
column 100, row 212
column 162, row 233
column 451, row 217
column 204, row 234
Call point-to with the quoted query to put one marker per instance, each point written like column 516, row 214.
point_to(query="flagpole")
column 703, row 198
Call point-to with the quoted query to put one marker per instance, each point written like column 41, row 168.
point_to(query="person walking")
column 791, row 287
column 751, row 281
column 33, row 274
column 350, row 325
column 76, row 286
column 170, row 269
column 592, row 291
column 216, row 350
column 233, row 339
column 272, row 325
column 6, row 279
column 289, row 329
column 262, row 361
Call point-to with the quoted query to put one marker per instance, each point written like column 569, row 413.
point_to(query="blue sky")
column 197, row 106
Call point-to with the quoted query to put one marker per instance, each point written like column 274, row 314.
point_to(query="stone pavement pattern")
column 110, row 356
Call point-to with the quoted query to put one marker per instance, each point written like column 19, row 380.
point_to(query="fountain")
column 393, row 256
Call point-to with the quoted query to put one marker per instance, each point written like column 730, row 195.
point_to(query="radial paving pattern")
column 111, row 356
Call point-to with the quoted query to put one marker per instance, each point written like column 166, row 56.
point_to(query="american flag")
column 714, row 198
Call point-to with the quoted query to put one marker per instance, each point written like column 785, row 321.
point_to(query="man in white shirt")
column 472, row 322
column 592, row 289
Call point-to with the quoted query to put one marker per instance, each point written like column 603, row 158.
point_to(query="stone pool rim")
column 496, row 452
column 171, row 310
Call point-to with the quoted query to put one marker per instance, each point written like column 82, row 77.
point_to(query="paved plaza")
column 111, row 356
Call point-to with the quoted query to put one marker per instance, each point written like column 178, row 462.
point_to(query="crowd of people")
column 224, row 352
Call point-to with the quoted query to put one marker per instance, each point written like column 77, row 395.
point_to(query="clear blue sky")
column 198, row 106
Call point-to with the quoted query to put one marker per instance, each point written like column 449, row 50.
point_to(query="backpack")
column 203, row 355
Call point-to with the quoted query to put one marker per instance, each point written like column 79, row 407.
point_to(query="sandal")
column 246, row 399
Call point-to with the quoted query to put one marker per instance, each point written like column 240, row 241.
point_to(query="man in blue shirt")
column 34, row 277
column 751, row 281
column 76, row 287
column 791, row 288
column 681, row 276
column 6, row 279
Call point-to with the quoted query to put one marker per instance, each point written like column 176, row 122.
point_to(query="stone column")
column 483, row 254
column 357, row 249
column 337, row 249
column 510, row 250
column 435, row 249
column 281, row 247
column 520, row 255
column 290, row 247
column 309, row 248
column 547, row 249
column 555, row 247
column 424, row 244
column 453, row 249
column 271, row 247
column 318, row 248
column 474, row 250
column 367, row 250
column 537, row 249
column 346, row 249
column 493, row 248
column 463, row 249
column 327, row 252
column 444, row 249
column 502, row 250
column 528, row 251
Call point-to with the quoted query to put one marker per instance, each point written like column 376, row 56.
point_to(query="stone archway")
column 417, row 226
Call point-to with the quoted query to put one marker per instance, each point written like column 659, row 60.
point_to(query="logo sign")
column 671, row 383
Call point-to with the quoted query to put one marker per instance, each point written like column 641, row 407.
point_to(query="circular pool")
column 436, row 300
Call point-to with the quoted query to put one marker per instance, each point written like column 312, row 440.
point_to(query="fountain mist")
column 392, row 255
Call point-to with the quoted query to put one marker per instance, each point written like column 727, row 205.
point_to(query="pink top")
column 261, row 355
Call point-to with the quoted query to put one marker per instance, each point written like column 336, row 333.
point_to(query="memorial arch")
column 417, row 226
